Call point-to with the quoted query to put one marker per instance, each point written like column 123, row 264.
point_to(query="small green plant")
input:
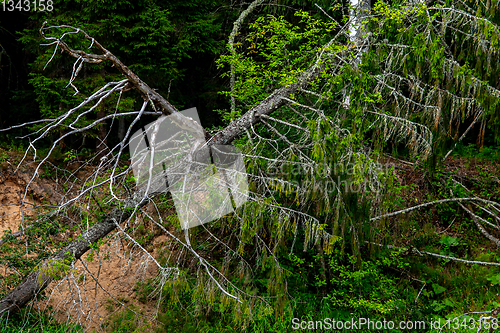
column 3, row 156
column 69, row 155
column 494, row 279
column 448, row 243
column 127, row 321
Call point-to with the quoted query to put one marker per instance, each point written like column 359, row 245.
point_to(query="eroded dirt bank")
column 101, row 284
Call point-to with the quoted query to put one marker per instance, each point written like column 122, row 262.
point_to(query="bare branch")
column 403, row 211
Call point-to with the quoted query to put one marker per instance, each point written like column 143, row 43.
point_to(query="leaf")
column 449, row 241
column 438, row 289
column 448, row 302
column 438, row 306
column 495, row 279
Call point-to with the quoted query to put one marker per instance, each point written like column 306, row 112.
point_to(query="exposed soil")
column 117, row 267
column 78, row 297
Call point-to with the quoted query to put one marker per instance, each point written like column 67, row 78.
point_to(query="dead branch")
column 415, row 251
column 53, row 268
column 474, row 217
column 39, row 279
column 147, row 93
column 406, row 210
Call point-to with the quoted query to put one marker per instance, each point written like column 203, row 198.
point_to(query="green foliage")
column 153, row 38
column 444, row 64
column 29, row 321
column 348, row 292
column 495, row 279
column 417, row 83
column 472, row 151
column 3, row 156
column 364, row 291
column 448, row 241
column 273, row 54
column 127, row 321
column 40, row 242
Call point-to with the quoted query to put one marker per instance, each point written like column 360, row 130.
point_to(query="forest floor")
column 118, row 268
column 79, row 298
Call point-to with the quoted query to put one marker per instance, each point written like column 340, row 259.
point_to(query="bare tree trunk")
column 101, row 141
column 359, row 10
column 121, row 129
column 53, row 268
column 62, row 144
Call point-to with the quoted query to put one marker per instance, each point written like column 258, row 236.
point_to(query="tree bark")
column 121, row 129
column 54, row 267
column 101, row 141
column 274, row 101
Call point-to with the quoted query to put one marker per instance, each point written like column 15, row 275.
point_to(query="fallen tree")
column 39, row 279
column 306, row 118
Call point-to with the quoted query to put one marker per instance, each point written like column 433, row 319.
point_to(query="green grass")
column 34, row 323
